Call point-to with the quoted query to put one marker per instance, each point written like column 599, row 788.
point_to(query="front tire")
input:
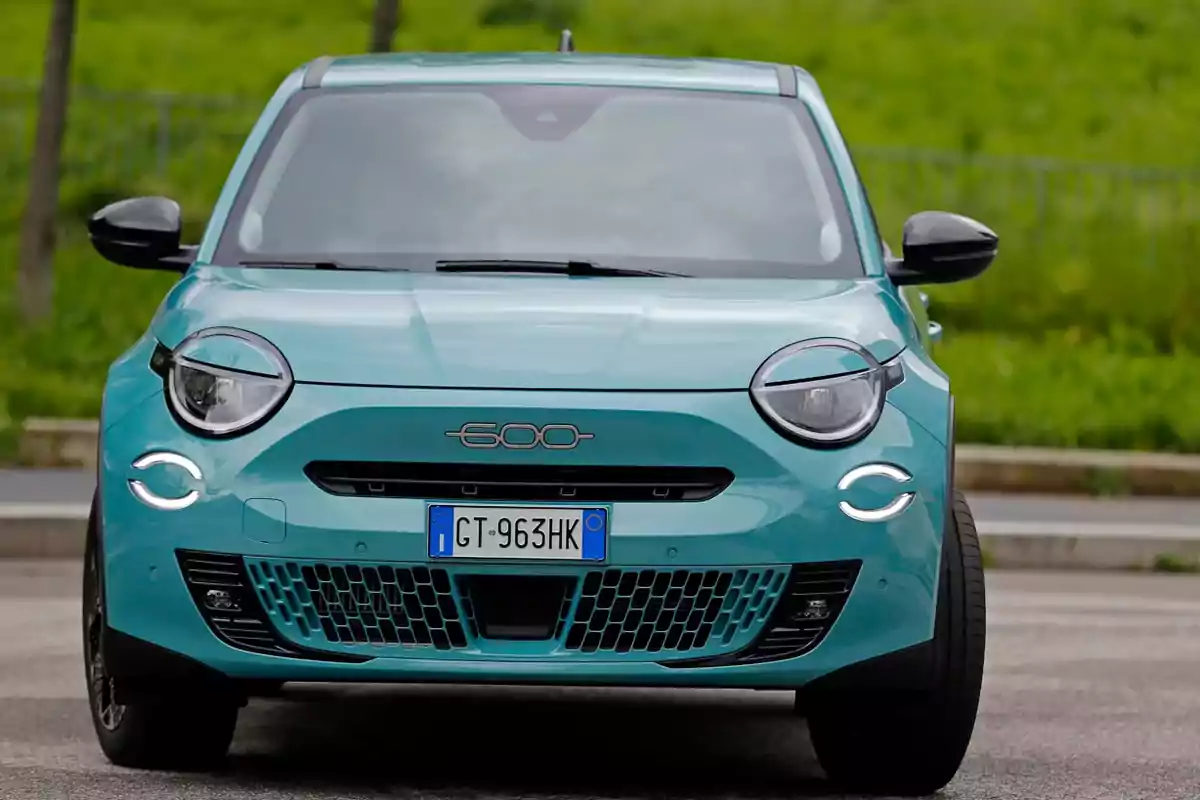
column 913, row 743
column 180, row 729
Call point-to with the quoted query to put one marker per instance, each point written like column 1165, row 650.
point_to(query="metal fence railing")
column 122, row 141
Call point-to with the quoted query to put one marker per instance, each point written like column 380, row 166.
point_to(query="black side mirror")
column 142, row 232
column 940, row 247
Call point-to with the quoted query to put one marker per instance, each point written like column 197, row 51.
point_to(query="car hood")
column 526, row 331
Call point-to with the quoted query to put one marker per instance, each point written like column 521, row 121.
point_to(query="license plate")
column 509, row 532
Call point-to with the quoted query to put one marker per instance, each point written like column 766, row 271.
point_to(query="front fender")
column 130, row 382
column 924, row 395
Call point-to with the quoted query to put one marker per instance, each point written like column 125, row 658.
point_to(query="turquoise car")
column 553, row 369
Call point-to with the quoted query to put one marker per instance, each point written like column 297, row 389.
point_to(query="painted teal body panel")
column 264, row 520
column 529, row 332
column 130, row 381
column 657, row 370
column 781, row 509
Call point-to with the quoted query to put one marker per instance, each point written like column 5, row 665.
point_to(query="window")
column 702, row 183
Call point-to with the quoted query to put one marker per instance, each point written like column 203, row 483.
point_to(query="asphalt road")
column 74, row 488
column 1092, row 691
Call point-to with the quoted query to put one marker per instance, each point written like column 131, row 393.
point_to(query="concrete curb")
column 1087, row 546
column 42, row 531
column 73, row 444
column 1033, row 470
column 36, row 531
column 49, row 443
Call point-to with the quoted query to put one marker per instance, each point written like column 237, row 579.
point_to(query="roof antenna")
column 566, row 42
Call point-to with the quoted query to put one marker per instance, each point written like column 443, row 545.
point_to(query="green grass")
column 1173, row 563
column 1060, row 391
column 987, row 558
column 1098, row 79
column 1082, row 334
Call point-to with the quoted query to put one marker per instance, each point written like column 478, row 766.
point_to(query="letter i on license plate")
column 509, row 532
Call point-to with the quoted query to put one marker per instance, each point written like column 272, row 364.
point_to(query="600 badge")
column 519, row 436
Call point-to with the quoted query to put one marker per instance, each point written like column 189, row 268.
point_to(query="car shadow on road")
column 518, row 742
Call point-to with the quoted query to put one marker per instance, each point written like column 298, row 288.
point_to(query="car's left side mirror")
column 141, row 232
column 940, row 247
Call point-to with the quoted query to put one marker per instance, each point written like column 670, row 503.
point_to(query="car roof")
column 713, row 74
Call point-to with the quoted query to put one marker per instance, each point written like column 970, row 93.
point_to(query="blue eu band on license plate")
column 509, row 532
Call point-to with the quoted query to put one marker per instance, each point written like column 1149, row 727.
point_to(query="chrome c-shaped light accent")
column 142, row 492
column 892, row 509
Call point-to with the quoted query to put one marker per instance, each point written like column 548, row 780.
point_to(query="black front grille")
column 520, row 483
column 517, row 607
column 670, row 611
column 362, row 604
column 226, row 599
column 804, row 615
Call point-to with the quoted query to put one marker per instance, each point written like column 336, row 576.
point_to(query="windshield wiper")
column 552, row 268
column 288, row 263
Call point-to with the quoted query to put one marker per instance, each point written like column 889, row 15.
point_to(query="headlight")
column 224, row 400
column 831, row 411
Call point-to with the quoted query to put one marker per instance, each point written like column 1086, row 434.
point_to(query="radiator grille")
column 670, row 611
column 681, row 617
column 351, row 604
column 815, row 595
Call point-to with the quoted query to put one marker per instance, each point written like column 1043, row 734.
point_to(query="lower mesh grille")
column 681, row 617
column 804, row 615
column 352, row 604
column 670, row 611
column 222, row 592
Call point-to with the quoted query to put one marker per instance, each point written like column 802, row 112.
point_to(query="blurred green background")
column 1066, row 125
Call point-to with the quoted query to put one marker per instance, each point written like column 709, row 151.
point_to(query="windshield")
column 699, row 183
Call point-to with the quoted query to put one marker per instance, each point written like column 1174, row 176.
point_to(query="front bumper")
column 300, row 546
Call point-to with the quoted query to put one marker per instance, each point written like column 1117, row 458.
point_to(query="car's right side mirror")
column 940, row 247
